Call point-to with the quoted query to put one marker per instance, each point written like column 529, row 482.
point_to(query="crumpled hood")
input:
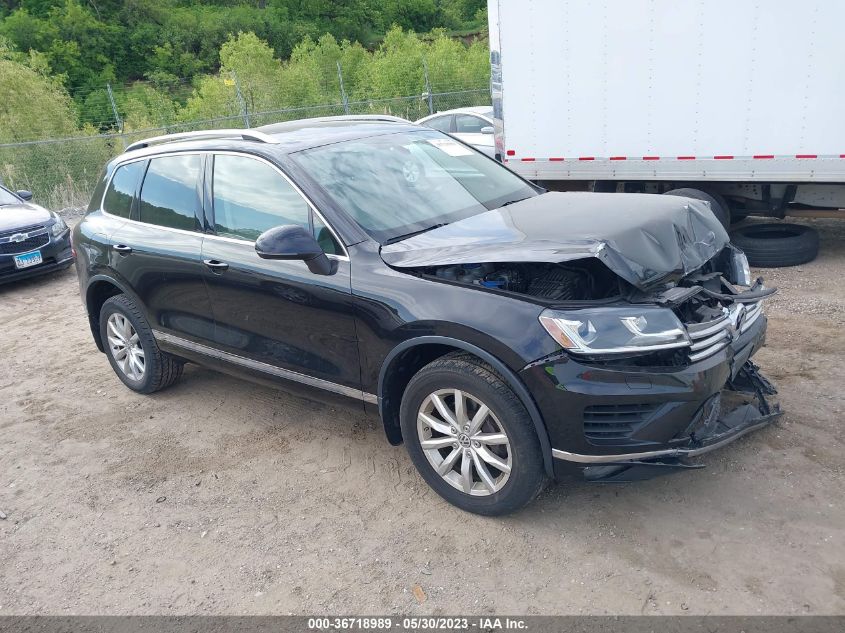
column 14, row 216
column 645, row 239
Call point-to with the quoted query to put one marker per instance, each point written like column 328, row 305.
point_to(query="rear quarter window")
column 118, row 198
column 99, row 190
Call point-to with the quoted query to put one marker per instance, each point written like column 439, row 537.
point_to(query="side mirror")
column 23, row 194
column 294, row 242
column 487, row 129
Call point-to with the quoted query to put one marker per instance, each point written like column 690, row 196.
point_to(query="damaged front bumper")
column 727, row 427
column 721, row 427
column 621, row 424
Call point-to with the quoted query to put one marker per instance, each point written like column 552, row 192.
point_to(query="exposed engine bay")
column 713, row 305
column 627, row 280
column 574, row 281
column 697, row 297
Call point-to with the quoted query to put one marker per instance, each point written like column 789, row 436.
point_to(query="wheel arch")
column 422, row 350
column 99, row 289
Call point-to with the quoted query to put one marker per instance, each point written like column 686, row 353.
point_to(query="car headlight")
column 615, row 330
column 740, row 269
column 59, row 227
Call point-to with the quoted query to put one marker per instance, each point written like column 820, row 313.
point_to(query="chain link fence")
column 62, row 172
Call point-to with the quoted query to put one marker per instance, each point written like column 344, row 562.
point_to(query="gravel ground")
column 221, row 497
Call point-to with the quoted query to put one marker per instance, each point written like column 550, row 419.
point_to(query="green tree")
column 251, row 62
column 415, row 15
column 94, row 41
column 36, row 106
column 396, row 68
column 453, row 66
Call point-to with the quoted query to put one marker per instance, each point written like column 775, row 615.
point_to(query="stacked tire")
column 776, row 244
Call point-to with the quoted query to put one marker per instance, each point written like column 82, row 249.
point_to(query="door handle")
column 123, row 249
column 215, row 265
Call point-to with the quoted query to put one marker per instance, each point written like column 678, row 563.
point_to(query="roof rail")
column 247, row 135
column 328, row 121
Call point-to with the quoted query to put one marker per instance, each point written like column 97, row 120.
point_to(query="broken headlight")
column 615, row 330
column 740, row 271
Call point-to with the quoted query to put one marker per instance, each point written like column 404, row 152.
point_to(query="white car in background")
column 473, row 126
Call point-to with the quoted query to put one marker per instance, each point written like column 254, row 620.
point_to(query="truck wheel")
column 718, row 204
column 470, row 436
column 772, row 245
column 738, row 215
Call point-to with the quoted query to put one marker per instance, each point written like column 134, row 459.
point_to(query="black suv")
column 506, row 335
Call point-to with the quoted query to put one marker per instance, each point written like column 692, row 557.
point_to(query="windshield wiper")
column 399, row 238
column 515, row 201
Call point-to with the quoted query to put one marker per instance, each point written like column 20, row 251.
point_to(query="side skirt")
column 266, row 368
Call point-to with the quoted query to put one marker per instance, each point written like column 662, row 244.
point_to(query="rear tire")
column 132, row 349
column 718, row 204
column 772, row 245
column 465, row 456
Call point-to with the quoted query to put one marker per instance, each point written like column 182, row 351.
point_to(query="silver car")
column 473, row 126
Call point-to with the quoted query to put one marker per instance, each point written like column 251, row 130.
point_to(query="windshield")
column 6, row 197
column 399, row 184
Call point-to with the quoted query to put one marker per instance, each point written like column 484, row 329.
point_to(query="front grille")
column 710, row 337
column 23, row 229
column 752, row 313
column 615, row 421
column 29, row 244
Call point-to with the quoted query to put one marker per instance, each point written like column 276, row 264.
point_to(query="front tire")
column 470, row 437
column 132, row 349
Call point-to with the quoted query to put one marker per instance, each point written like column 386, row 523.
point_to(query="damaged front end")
column 685, row 386
column 654, row 311
column 646, row 378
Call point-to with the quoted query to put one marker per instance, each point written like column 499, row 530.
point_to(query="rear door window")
column 442, row 123
column 118, row 198
column 170, row 193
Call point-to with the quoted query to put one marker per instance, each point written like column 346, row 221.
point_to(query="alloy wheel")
column 125, row 346
column 464, row 442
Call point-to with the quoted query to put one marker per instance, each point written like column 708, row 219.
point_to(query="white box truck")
column 740, row 99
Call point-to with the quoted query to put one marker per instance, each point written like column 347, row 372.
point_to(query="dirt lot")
column 218, row 496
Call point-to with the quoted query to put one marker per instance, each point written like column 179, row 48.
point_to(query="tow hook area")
column 724, row 418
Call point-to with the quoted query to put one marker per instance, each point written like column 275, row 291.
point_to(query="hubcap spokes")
column 125, row 346
column 464, row 442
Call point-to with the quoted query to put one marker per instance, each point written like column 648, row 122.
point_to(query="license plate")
column 28, row 259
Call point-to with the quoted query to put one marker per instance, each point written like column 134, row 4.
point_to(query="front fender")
column 496, row 363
